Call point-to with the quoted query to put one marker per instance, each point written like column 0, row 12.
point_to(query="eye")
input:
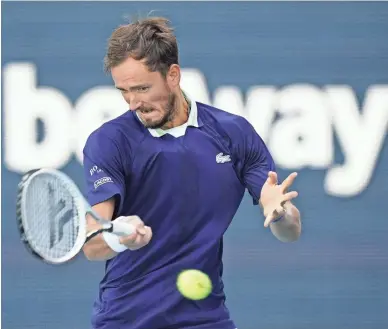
column 123, row 91
column 143, row 89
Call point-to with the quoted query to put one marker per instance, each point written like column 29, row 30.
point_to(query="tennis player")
column 177, row 169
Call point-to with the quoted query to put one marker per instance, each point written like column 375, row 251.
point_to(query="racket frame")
column 82, row 206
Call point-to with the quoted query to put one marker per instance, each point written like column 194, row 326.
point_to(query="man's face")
column 148, row 93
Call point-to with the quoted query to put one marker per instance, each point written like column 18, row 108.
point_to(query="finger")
column 129, row 238
column 288, row 181
column 268, row 220
column 140, row 239
column 148, row 233
column 122, row 240
column 269, row 180
column 289, row 196
column 141, row 229
column 272, row 178
column 280, row 211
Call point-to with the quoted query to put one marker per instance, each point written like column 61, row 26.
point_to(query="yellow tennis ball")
column 194, row 284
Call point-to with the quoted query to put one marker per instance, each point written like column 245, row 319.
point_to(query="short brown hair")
column 151, row 39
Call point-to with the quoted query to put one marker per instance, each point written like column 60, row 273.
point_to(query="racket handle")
column 122, row 228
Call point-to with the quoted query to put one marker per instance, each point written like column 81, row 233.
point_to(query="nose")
column 133, row 102
column 133, row 106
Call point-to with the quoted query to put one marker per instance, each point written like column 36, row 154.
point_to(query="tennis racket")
column 51, row 216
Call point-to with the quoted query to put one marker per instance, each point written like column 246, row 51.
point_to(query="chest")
column 195, row 167
column 188, row 183
column 196, row 160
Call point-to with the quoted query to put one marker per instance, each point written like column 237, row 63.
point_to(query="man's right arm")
column 96, row 248
column 105, row 186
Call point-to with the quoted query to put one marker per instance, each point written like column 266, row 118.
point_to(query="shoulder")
column 122, row 132
column 224, row 122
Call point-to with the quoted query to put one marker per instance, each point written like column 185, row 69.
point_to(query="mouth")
column 145, row 111
column 148, row 115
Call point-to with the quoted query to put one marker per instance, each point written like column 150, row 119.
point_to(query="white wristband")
column 113, row 241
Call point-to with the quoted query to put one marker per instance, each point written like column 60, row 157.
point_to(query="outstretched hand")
column 274, row 196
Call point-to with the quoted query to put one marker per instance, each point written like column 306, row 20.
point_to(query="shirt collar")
column 180, row 130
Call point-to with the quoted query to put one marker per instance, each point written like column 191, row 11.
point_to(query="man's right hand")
column 140, row 238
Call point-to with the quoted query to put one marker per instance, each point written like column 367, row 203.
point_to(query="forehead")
column 132, row 71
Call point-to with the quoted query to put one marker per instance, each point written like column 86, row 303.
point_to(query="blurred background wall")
column 313, row 80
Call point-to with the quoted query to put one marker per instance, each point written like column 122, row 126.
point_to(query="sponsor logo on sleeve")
column 102, row 181
column 94, row 170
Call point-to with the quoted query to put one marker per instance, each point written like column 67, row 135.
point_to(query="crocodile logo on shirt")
column 221, row 158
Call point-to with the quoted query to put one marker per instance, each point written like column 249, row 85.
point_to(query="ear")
column 174, row 76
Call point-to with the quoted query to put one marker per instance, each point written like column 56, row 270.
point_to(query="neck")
column 182, row 112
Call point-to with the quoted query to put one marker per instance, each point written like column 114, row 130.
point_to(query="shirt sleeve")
column 256, row 161
column 104, row 170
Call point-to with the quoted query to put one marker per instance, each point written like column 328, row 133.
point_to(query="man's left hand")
column 274, row 196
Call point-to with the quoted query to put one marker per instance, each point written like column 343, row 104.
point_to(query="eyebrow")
column 133, row 87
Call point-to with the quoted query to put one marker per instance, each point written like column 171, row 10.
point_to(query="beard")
column 169, row 114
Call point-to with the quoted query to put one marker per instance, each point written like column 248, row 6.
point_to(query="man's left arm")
column 260, row 178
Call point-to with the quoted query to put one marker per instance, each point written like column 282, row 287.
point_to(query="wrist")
column 113, row 241
column 286, row 212
column 278, row 219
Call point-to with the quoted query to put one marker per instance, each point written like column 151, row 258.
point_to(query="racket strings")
column 51, row 214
